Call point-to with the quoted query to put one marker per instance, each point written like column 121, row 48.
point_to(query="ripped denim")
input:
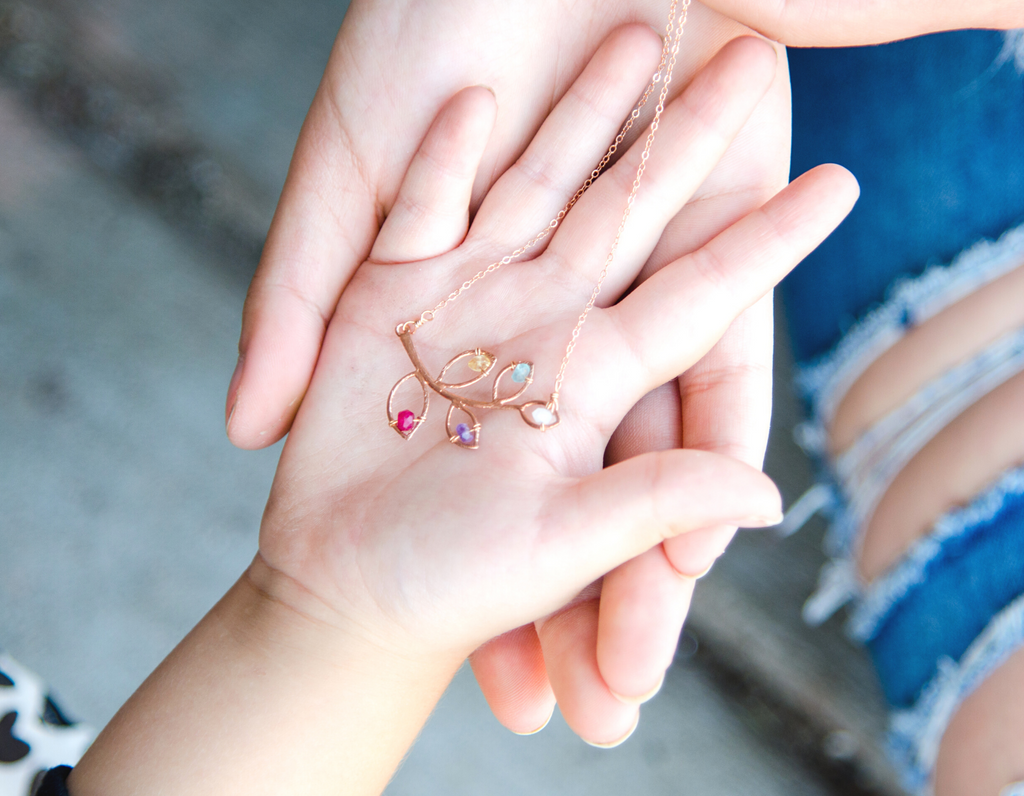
column 932, row 128
column 863, row 472
column 952, row 609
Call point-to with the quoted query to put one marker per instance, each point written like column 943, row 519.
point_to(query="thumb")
column 624, row 510
column 323, row 229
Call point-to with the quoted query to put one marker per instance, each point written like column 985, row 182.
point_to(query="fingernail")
column 236, row 377
column 639, row 700
column 695, row 553
column 547, row 721
column 704, row 571
column 621, row 740
column 758, row 521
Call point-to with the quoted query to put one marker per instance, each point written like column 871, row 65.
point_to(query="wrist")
column 268, row 694
column 274, row 610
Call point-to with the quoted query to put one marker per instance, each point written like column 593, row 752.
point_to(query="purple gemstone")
column 464, row 433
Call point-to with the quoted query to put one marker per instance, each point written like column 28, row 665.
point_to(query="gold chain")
column 669, row 54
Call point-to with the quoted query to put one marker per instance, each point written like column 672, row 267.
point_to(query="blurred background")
column 142, row 150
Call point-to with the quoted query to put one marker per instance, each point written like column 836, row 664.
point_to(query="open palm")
column 451, row 547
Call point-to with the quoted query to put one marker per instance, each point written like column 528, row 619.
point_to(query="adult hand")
column 439, row 548
column 844, row 23
column 393, row 66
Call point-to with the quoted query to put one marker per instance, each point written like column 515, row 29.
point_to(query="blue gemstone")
column 464, row 432
column 521, row 372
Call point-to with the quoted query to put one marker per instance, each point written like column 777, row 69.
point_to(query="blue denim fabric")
column 933, row 128
column 977, row 574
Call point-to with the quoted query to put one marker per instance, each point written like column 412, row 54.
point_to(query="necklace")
column 461, row 422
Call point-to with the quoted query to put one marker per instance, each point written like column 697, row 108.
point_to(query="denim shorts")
column 934, row 130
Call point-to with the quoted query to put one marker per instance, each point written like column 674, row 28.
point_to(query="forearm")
column 260, row 698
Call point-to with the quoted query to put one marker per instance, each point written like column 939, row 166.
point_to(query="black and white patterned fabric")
column 34, row 734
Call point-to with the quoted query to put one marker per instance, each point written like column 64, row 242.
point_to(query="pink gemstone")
column 406, row 421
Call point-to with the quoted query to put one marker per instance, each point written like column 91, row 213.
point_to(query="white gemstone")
column 543, row 416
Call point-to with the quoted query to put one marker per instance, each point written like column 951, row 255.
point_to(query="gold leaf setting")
column 461, row 421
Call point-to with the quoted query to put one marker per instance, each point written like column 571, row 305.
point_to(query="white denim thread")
column 865, row 471
column 1013, row 50
column 910, row 303
column 868, row 467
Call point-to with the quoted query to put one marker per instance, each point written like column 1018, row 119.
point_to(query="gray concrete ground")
column 127, row 513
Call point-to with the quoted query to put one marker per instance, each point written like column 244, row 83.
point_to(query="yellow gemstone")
column 478, row 363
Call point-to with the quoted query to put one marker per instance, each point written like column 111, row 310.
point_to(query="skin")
column 383, row 562
column 341, row 188
column 981, row 751
column 959, row 462
column 393, row 65
column 942, row 342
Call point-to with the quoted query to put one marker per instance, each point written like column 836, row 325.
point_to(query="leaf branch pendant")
column 461, row 422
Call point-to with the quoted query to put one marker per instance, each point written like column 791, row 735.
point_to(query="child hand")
column 437, row 549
